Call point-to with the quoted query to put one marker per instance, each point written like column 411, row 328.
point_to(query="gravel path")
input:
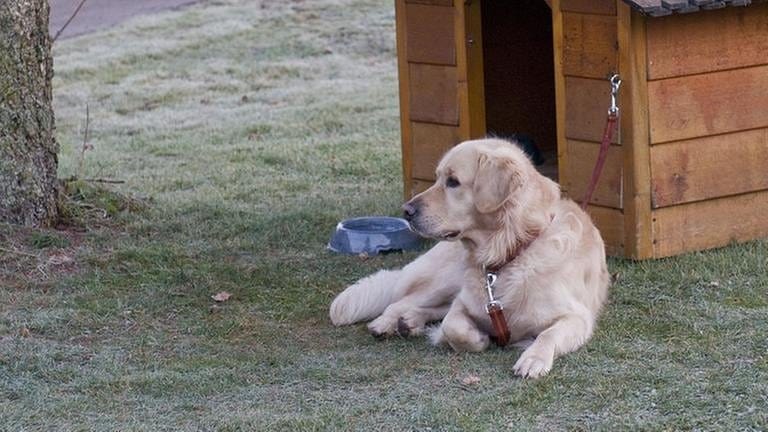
column 100, row 14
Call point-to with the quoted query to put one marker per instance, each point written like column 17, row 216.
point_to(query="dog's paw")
column 532, row 365
column 382, row 327
column 470, row 341
column 410, row 324
column 403, row 329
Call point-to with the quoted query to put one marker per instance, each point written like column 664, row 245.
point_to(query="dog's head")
column 476, row 181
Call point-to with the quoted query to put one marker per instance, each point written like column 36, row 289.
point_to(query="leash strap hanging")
column 496, row 312
column 610, row 125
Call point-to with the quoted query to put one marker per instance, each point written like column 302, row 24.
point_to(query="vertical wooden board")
column 586, row 108
column 583, row 156
column 708, row 224
column 708, row 41
column 560, row 96
column 709, row 167
column 404, row 95
column 708, row 104
column 590, row 45
column 430, row 34
column 600, row 7
column 430, row 142
column 433, row 94
column 636, row 199
column 469, row 60
column 610, row 222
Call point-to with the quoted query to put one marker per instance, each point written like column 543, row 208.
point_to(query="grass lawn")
column 243, row 132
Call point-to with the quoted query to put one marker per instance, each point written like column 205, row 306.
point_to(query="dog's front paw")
column 382, row 327
column 470, row 341
column 533, row 365
column 411, row 323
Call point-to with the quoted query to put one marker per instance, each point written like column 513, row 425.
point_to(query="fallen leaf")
column 470, row 380
column 221, row 296
column 60, row 259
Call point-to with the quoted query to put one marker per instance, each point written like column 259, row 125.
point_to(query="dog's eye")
column 452, row 182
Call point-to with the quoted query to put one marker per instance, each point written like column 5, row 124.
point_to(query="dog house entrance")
column 520, row 77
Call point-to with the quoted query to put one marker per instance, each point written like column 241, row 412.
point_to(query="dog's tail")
column 366, row 299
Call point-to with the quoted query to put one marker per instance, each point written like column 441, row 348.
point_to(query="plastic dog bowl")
column 373, row 235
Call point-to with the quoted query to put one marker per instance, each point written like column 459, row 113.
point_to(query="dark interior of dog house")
column 519, row 76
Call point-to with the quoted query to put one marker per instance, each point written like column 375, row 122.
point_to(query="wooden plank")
column 708, row 224
column 560, row 96
column 599, row 7
column 634, row 134
column 583, row 156
column 432, row 2
column 431, row 141
column 430, row 34
column 610, row 222
column 433, row 94
column 714, row 103
column 708, row 42
column 586, row 108
column 590, row 45
column 709, row 167
column 404, row 93
column 470, row 86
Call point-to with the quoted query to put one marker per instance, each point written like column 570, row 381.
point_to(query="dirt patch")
column 34, row 257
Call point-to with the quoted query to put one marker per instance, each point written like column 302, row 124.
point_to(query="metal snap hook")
column 490, row 279
column 615, row 81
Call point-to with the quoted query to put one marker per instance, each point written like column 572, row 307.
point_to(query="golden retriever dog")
column 494, row 213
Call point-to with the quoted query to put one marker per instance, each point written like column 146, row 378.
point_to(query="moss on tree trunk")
column 28, row 186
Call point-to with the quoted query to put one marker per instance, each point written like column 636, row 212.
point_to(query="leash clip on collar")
column 490, row 281
column 495, row 309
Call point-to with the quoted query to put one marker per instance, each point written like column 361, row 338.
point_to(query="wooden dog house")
column 687, row 169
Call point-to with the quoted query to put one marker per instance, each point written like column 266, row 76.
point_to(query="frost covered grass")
column 248, row 129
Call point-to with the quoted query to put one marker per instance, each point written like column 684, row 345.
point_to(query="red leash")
column 610, row 125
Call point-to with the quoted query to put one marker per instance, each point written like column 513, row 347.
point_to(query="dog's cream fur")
column 491, row 207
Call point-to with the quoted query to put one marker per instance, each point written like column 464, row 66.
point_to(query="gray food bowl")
column 373, row 235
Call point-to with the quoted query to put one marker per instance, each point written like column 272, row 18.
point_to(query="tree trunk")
column 28, row 186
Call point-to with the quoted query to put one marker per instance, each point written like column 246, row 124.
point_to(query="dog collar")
column 519, row 250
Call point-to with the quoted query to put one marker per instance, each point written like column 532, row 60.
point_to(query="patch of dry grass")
column 252, row 128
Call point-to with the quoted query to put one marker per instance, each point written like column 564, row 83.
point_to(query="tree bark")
column 28, row 185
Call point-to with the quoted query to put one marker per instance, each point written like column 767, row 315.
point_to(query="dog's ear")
column 496, row 178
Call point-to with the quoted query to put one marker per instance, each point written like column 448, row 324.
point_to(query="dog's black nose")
column 409, row 211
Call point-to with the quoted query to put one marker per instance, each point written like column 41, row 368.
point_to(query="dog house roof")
column 667, row 7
